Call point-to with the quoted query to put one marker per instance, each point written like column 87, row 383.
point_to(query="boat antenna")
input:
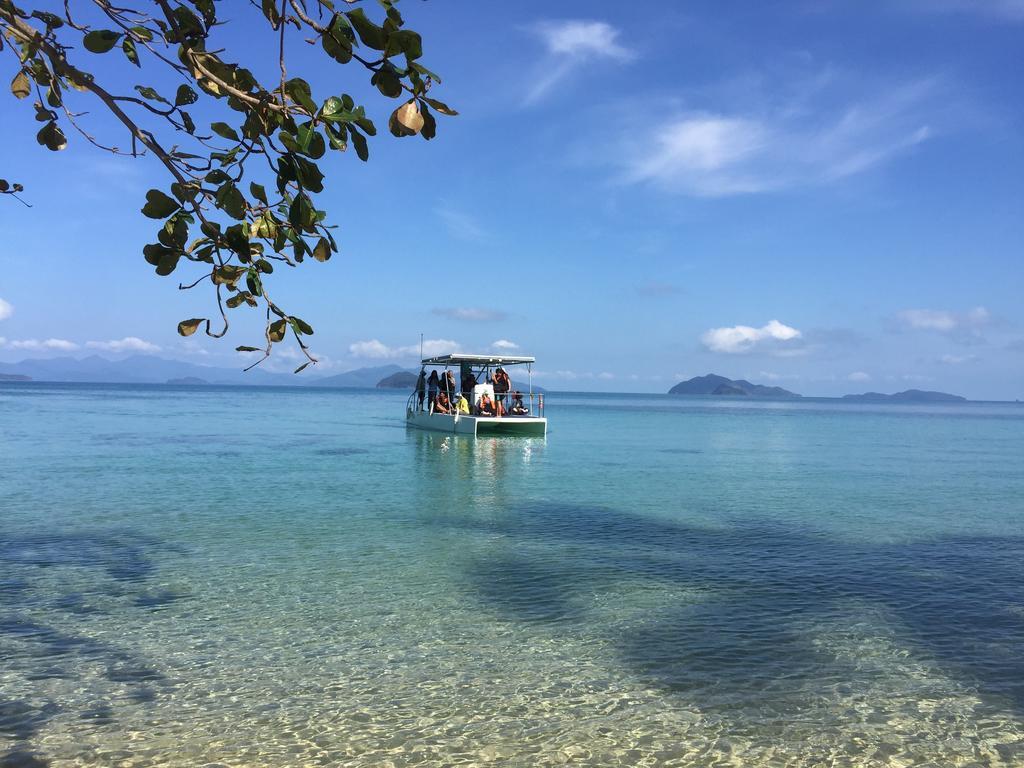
column 421, row 347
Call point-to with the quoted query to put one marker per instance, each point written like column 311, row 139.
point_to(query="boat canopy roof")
column 458, row 359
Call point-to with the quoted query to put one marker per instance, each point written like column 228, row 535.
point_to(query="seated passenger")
column 518, row 409
column 462, row 405
column 442, row 404
column 486, row 407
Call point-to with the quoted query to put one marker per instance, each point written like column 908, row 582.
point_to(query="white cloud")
column 376, row 349
column 859, row 376
column 771, row 376
column 127, row 344
column 570, row 44
column 957, row 359
column 471, row 314
column 606, row 375
column 38, row 345
column 6, row 310
column 739, row 339
column 718, row 152
column 505, row 344
column 944, row 321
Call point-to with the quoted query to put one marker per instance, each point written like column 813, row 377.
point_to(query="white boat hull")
column 463, row 424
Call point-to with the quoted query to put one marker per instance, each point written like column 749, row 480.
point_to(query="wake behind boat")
column 481, row 401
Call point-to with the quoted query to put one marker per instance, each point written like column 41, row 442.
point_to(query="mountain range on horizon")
column 149, row 369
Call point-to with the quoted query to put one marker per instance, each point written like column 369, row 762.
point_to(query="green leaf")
column 359, row 141
column 405, row 41
column 270, row 11
column 298, row 90
column 128, row 46
column 149, row 93
column 302, row 367
column 20, row 85
column 332, row 106
column 248, row 349
column 322, row 250
column 141, row 33
column 387, row 82
column 184, row 96
column 337, row 40
column 224, row 130
column 371, row 35
column 301, row 325
column 257, row 191
column 101, row 40
column 277, row 330
column 188, row 327
column 52, row 137
column 229, row 274
column 51, row 20
column 158, row 205
column 310, row 141
column 440, row 106
column 231, row 201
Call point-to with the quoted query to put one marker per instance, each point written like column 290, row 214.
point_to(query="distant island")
column 713, row 384
column 398, row 380
column 908, row 396
column 14, row 377
column 188, row 381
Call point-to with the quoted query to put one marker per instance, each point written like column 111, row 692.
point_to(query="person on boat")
column 442, row 404
column 462, row 404
column 502, row 384
column 468, row 382
column 421, row 388
column 486, row 407
column 432, row 387
column 449, row 384
column 518, row 409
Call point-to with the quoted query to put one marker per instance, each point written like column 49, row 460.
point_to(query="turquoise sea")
column 290, row 577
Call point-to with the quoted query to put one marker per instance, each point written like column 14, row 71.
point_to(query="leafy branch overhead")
column 241, row 196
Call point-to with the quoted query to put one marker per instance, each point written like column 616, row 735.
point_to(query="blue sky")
column 822, row 195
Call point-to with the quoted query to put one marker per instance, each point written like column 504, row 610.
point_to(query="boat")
column 468, row 420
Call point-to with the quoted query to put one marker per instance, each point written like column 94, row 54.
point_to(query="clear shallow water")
column 290, row 577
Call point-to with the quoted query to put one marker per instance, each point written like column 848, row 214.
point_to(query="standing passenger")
column 432, row 383
column 501, row 384
column 421, row 388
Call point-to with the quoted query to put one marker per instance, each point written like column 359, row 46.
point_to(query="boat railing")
column 534, row 402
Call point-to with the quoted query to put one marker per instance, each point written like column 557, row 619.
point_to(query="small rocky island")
column 188, row 381
column 398, row 380
column 908, row 396
column 14, row 377
column 713, row 384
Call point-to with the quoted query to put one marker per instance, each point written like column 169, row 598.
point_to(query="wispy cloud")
column 957, row 359
column 6, row 310
column 815, row 138
column 471, row 314
column 505, row 345
column 859, row 376
column 127, row 344
column 460, row 224
column 742, row 339
column 962, row 327
column 38, row 345
column 943, row 320
column 1005, row 10
column 570, row 44
column 377, row 350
